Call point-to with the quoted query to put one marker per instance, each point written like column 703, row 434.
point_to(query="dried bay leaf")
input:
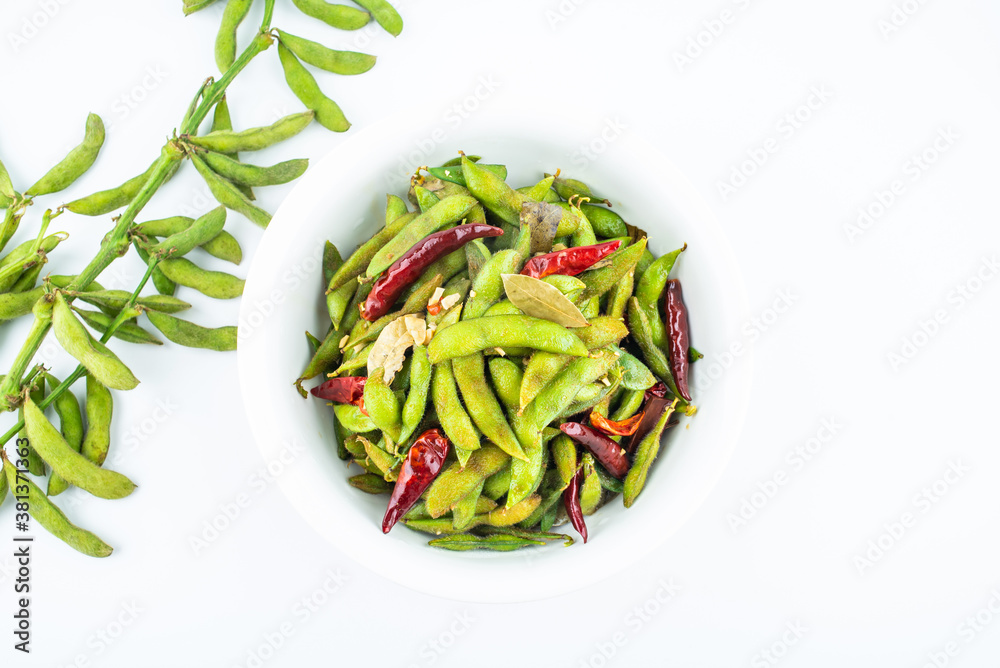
column 541, row 300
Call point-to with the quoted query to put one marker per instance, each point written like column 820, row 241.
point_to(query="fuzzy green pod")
column 645, row 453
column 488, row 287
column 383, row 405
column 356, row 264
column 126, row 331
column 194, row 336
column 223, row 246
column 70, row 425
column 341, row 17
column 54, row 520
column 416, row 399
column 254, row 175
column 456, row 481
column 76, row 162
column 494, row 542
column 395, row 207
column 503, row 331
column 621, row 262
column 14, row 305
column 192, row 6
column 446, row 212
column 507, row 376
column 353, row 419
column 653, row 354
column 106, row 201
column 225, row 41
column 227, row 194
column 606, row 223
column 303, row 84
column 98, row 407
column 370, row 483
column 215, row 284
column 68, row 463
column 385, row 14
column 317, row 55
column 482, row 404
column 253, row 139
column 201, row 231
column 116, row 300
column 91, row 353
column 453, row 416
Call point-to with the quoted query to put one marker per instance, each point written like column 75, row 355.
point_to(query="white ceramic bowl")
column 342, row 199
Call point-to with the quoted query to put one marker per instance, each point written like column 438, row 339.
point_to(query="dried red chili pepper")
column 607, row 452
column 570, row 261
column 652, row 410
column 571, row 499
column 346, row 390
column 422, row 464
column 624, row 427
column 412, row 264
column 678, row 339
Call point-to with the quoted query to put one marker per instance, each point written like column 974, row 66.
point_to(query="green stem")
column 115, row 243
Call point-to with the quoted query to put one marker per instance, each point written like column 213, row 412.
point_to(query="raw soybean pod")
column 317, row 55
column 227, row 194
column 216, row 284
column 225, row 41
column 384, row 13
column 254, row 139
column 71, row 426
column 337, row 16
column 68, row 463
column 304, row 85
column 53, row 519
column 76, row 163
column 99, row 408
column 107, row 201
column 191, row 335
column 92, row 354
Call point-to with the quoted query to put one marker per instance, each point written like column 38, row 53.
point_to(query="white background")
column 795, row 562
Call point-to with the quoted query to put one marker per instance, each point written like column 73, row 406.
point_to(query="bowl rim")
column 304, row 198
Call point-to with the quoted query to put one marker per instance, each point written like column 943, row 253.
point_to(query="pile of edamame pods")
column 501, row 358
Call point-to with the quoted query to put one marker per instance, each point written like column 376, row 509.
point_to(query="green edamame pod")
column 503, row 331
column 49, row 516
column 370, row 483
column 317, row 55
column 456, row 481
column 606, row 223
column 488, row 286
column 567, row 188
column 223, row 246
column 645, row 453
column 254, row 139
column 506, row 377
column 394, row 208
column 191, row 335
column 482, row 405
column 215, row 284
column 635, row 374
column 649, row 291
column 622, row 261
column 425, row 198
column 91, row 353
column 26, row 281
column 558, row 395
column 356, row 264
column 497, row 484
column 221, row 120
column 99, row 408
column 496, row 542
column 541, row 191
column 526, row 474
column 564, row 456
column 590, row 491
column 353, row 419
column 106, row 201
column 127, row 331
column 227, row 194
column 385, row 14
column 338, row 301
column 325, row 357
column 453, row 173
column 7, row 193
column 331, row 261
column 17, row 304
column 629, row 405
column 655, row 358
column 464, row 511
column 643, row 264
column 619, row 295
column 303, row 84
column 35, row 464
column 447, row 211
column 337, row 16
column 584, row 235
column 70, row 425
column 117, row 299
column 253, row 175
column 201, row 231
column 382, row 405
column 416, row 398
column 192, row 6
column 476, row 255
column 76, row 163
column 225, row 41
column 68, row 463
column 455, row 420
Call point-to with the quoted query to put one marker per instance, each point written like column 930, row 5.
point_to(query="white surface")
column 824, row 358
column 271, row 352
